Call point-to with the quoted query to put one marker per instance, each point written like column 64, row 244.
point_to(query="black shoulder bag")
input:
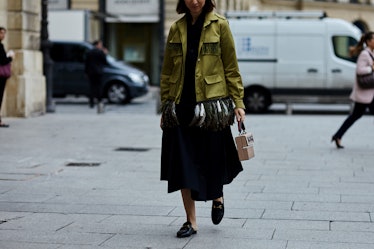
column 366, row 81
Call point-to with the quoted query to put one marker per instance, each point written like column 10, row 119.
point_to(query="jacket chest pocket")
column 212, row 47
column 211, row 61
column 174, row 49
column 175, row 52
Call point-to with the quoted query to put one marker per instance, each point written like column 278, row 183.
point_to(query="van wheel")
column 118, row 93
column 256, row 100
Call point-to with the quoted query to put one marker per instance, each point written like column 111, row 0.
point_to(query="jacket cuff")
column 239, row 104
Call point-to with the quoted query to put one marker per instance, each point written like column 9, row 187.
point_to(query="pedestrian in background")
column 94, row 65
column 362, row 98
column 5, row 58
column 201, row 94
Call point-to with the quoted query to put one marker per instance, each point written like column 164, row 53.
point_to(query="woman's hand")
column 239, row 114
column 10, row 54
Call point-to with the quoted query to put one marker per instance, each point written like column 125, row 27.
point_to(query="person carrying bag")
column 201, row 95
column 363, row 97
column 5, row 60
column 366, row 81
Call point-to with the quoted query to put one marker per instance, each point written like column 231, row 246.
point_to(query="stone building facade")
column 26, row 90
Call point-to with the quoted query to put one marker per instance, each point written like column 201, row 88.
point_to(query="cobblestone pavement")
column 75, row 180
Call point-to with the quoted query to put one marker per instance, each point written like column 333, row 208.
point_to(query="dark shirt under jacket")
column 193, row 38
column 185, row 109
column 95, row 61
column 3, row 58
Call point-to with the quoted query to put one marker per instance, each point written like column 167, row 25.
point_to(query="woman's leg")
column 219, row 199
column 189, row 207
column 358, row 111
column 2, row 89
column 371, row 107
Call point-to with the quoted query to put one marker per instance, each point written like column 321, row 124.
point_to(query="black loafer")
column 218, row 210
column 186, row 230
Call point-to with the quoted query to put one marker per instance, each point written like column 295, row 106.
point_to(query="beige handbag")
column 244, row 143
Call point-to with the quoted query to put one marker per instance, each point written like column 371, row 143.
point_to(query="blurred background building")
column 133, row 31
column 26, row 89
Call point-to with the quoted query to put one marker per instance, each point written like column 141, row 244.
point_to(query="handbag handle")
column 241, row 127
column 371, row 55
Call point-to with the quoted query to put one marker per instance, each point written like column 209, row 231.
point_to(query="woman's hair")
column 354, row 51
column 96, row 42
column 208, row 7
column 2, row 28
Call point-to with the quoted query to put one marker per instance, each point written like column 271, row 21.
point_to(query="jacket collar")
column 209, row 18
column 182, row 27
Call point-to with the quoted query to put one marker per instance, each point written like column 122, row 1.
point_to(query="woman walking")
column 4, row 60
column 201, row 94
column 363, row 98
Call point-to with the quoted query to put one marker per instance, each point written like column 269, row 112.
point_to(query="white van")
column 283, row 55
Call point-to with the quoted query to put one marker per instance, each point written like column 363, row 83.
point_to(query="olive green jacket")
column 217, row 72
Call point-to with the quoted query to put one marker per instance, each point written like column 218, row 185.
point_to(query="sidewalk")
column 78, row 180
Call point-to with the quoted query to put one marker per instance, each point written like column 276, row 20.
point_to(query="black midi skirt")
column 198, row 159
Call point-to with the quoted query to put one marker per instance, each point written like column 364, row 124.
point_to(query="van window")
column 68, row 53
column 341, row 47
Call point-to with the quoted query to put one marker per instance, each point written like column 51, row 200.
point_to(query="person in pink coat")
column 362, row 98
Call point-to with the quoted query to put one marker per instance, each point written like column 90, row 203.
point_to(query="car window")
column 341, row 47
column 57, row 52
column 68, row 52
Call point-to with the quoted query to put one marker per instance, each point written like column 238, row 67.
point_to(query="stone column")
column 25, row 93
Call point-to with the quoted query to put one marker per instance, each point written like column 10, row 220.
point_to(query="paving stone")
column 287, row 224
column 352, row 226
column 299, row 192
column 294, row 197
column 167, row 241
column 201, row 242
column 316, row 215
column 44, row 237
column 359, row 198
column 28, row 245
column 321, row 245
column 335, row 207
column 324, row 236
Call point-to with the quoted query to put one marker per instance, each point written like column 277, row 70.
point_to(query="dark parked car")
column 121, row 82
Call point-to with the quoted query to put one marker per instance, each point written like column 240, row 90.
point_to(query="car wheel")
column 256, row 100
column 118, row 93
